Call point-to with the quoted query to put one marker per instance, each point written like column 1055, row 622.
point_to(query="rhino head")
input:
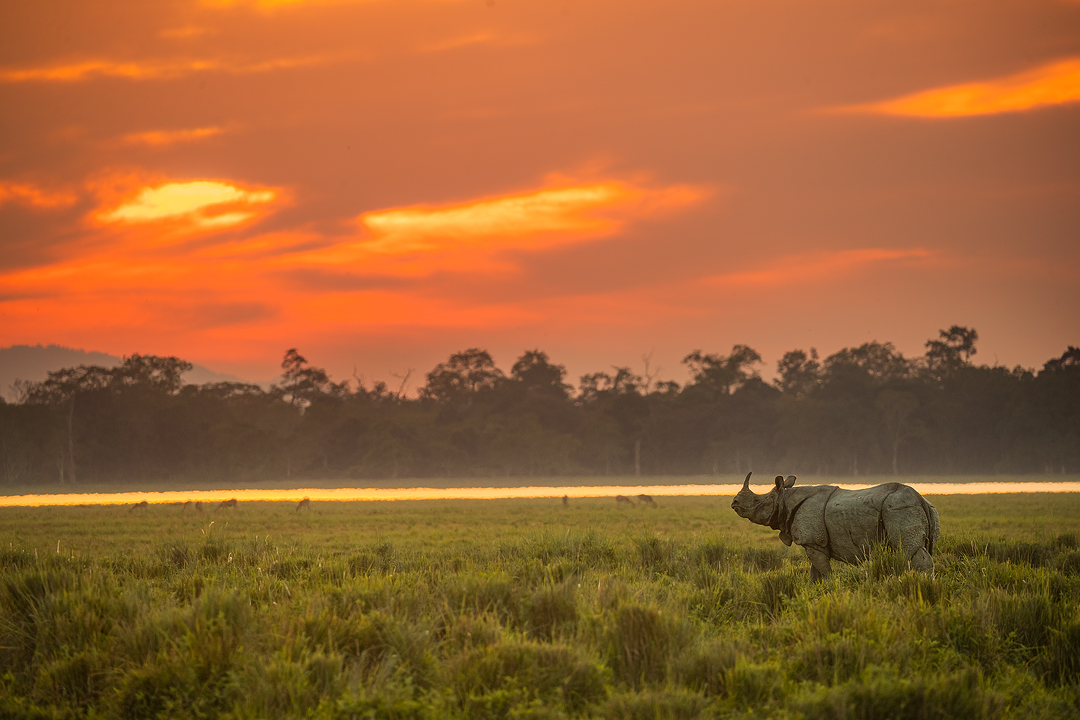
column 760, row 509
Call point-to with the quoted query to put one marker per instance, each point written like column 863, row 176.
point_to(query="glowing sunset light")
column 564, row 211
column 169, row 137
column 149, row 70
column 539, row 212
column 1053, row 84
column 90, row 68
column 193, row 200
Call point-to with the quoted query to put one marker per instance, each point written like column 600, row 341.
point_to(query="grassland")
column 525, row 608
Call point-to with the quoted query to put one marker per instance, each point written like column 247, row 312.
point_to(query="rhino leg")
column 820, row 563
column 921, row 560
column 913, row 542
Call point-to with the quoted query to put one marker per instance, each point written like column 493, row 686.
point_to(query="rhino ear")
column 779, row 481
column 790, row 481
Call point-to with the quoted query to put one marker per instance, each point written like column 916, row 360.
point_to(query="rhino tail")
column 933, row 526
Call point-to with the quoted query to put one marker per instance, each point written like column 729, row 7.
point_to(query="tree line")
column 862, row 410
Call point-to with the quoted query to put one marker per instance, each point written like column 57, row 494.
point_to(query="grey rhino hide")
column 829, row 522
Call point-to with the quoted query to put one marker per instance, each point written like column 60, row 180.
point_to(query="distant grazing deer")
column 198, row 506
column 304, row 504
column 566, row 500
column 620, row 499
column 139, row 506
column 227, row 504
column 646, row 500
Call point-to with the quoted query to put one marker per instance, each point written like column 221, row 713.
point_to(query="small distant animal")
column 140, row 506
column 831, row 523
column 304, row 504
column 187, row 505
column 620, row 499
column 198, row 506
column 566, row 500
column 646, row 500
column 231, row 503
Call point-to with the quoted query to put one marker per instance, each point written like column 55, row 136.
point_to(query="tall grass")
column 536, row 612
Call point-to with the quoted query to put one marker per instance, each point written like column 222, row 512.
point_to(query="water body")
column 213, row 497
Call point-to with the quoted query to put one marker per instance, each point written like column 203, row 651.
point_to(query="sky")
column 381, row 183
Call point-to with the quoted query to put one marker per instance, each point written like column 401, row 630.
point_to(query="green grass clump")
column 527, row 609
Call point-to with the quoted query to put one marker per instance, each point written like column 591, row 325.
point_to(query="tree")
column 719, row 374
column 799, row 373
column 880, row 361
column 896, row 408
column 463, row 376
column 535, row 373
column 150, row 372
column 302, row 385
column 61, row 389
column 1068, row 362
column 951, row 351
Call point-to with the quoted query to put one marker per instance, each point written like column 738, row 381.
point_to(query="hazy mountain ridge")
column 35, row 362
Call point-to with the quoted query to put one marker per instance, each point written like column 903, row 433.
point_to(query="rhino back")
column 857, row 518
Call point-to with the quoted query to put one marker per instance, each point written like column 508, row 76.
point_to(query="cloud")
column 274, row 4
column 536, row 219
column 34, row 196
column 482, row 38
column 815, row 266
column 1057, row 83
column 407, row 267
column 208, row 204
column 171, row 137
column 222, row 314
column 479, row 236
column 564, row 210
column 185, row 32
column 150, row 69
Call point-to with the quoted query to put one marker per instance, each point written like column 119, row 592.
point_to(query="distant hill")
column 35, row 362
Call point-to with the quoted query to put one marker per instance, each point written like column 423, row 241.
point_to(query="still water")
column 491, row 493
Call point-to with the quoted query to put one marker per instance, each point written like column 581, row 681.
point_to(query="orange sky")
column 381, row 183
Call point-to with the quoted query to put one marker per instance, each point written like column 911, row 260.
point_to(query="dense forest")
column 864, row 410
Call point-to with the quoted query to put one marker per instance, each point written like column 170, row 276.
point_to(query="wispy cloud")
column 151, row 69
column 171, row 137
column 482, row 38
column 278, row 4
column 474, row 235
column 200, row 204
column 815, row 266
column 34, row 195
column 1057, row 83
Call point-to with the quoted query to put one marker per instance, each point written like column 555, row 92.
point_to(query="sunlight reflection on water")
column 212, row 497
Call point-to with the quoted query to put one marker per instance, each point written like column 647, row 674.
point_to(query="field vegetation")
column 527, row 608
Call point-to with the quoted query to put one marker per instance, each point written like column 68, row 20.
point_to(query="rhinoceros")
column 832, row 523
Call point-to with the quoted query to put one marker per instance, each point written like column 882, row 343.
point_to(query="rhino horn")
column 790, row 481
column 746, row 482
